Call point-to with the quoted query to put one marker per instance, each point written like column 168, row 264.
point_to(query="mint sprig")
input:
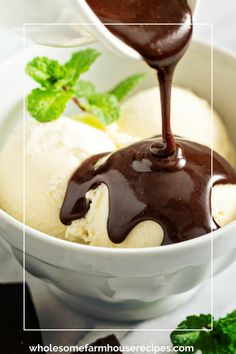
column 60, row 83
column 220, row 340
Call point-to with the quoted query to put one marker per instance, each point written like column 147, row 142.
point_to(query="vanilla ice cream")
column 52, row 153
column 191, row 118
column 224, row 203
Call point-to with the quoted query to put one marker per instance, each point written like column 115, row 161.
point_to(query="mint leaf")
column 85, row 89
column 192, row 336
column 104, row 106
column 59, row 83
column 226, row 331
column 47, row 105
column 126, row 86
column 81, row 62
column 66, row 79
column 196, row 322
column 222, row 340
column 45, row 71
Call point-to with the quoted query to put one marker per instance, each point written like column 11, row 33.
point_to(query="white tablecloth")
column 54, row 314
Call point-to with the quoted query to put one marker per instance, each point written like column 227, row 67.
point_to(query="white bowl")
column 129, row 284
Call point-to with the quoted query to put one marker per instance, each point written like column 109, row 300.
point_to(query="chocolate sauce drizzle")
column 164, row 179
column 174, row 192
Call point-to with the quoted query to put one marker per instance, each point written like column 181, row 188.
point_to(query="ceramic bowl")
column 126, row 284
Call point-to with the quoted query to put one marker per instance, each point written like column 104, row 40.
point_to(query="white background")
column 222, row 15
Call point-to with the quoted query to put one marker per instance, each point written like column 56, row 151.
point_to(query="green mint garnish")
column 220, row 340
column 81, row 62
column 84, row 89
column 42, row 70
column 47, row 105
column 61, row 83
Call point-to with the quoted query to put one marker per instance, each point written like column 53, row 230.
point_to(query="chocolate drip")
column 174, row 192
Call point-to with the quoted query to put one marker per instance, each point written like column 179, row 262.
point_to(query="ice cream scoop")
column 52, row 152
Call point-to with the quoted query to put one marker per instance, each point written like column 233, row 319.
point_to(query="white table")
column 52, row 312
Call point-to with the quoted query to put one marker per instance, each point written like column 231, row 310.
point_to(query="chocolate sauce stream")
column 164, row 179
column 161, row 45
column 165, row 77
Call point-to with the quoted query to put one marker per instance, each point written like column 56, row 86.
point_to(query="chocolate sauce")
column 175, row 192
column 164, row 179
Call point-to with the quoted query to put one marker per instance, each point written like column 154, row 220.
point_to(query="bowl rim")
column 28, row 231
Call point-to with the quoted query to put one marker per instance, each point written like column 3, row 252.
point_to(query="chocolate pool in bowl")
column 130, row 284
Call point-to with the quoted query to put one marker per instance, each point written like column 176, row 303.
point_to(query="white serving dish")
column 124, row 284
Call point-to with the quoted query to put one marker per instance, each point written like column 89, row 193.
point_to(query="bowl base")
column 123, row 311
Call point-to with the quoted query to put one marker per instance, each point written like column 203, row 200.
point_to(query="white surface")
column 224, row 296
